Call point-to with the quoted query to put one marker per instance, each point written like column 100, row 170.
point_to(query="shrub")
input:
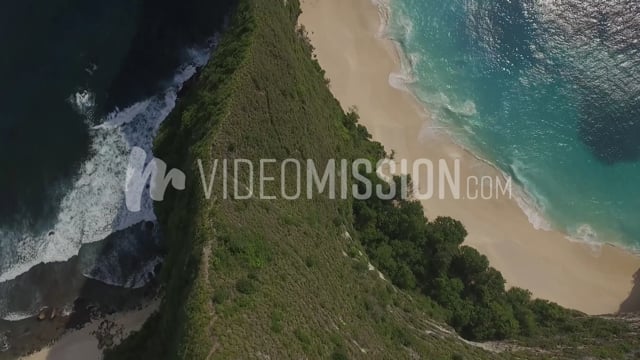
column 246, row 286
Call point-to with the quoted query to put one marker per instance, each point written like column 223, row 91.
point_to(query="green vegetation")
column 428, row 257
column 291, row 279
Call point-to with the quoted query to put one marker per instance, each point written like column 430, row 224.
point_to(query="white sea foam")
column 531, row 210
column 468, row 108
column 396, row 26
column 4, row 343
column 84, row 102
column 406, row 76
column 398, row 80
column 384, row 13
column 67, row 310
column 409, row 62
column 403, row 79
column 94, row 206
column 18, row 316
column 532, row 205
column 529, row 204
column 585, row 233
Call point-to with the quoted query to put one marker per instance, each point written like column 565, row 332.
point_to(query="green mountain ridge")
column 277, row 279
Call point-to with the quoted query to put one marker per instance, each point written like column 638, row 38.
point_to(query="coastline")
column 360, row 67
column 54, row 326
column 85, row 343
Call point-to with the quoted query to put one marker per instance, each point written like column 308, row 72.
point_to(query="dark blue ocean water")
column 548, row 91
column 80, row 84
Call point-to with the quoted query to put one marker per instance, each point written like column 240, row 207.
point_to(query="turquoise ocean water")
column 548, row 91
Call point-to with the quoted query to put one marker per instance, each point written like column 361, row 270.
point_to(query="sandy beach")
column 84, row 344
column 358, row 60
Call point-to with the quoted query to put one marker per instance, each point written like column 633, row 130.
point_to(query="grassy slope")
column 251, row 279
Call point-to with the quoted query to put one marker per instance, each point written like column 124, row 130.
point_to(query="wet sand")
column 84, row 343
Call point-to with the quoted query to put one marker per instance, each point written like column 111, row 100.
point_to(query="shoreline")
column 525, row 200
column 103, row 332
column 94, row 303
column 547, row 262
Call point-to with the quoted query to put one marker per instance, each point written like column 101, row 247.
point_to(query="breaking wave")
column 93, row 207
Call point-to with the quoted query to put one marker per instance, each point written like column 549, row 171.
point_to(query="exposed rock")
column 42, row 314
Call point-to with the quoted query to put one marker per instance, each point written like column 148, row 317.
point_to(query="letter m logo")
column 138, row 175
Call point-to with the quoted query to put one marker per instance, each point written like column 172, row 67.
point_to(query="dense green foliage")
column 429, row 257
column 290, row 279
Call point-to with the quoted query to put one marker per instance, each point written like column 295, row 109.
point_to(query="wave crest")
column 93, row 207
